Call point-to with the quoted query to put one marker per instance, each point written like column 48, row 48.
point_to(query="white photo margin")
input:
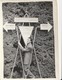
column 55, row 21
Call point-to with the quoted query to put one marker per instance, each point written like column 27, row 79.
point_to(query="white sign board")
column 32, row 20
column 9, row 26
column 26, row 32
column 45, row 27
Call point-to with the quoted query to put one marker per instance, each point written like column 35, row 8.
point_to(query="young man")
column 28, row 50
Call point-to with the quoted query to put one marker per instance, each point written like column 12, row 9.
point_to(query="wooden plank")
column 32, row 20
column 26, row 26
column 45, row 27
column 9, row 26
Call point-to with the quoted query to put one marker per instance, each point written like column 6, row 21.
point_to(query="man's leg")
column 28, row 58
column 27, row 62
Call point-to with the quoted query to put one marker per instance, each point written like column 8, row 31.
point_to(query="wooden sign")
column 32, row 20
column 9, row 26
column 26, row 32
column 45, row 27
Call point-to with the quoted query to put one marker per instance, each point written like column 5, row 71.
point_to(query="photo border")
column 55, row 21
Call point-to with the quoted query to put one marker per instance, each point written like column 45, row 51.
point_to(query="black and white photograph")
column 28, row 40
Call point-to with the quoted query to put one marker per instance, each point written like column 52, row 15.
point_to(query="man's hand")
column 21, row 47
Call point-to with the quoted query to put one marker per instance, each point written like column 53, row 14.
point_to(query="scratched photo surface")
column 44, row 42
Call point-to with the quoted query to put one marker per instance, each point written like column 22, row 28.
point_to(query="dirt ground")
column 44, row 43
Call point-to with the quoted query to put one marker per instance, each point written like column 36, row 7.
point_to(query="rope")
column 16, row 58
column 14, row 64
column 35, row 53
column 20, row 54
column 26, row 15
column 22, row 65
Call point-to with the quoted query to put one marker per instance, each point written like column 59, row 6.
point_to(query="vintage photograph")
column 28, row 40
